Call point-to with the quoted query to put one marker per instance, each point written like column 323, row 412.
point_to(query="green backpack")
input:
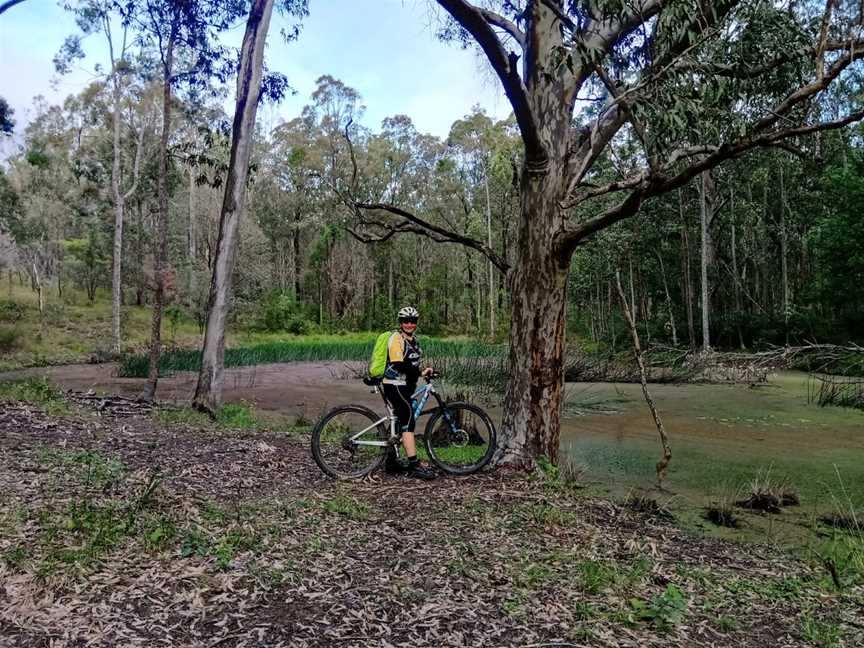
column 378, row 363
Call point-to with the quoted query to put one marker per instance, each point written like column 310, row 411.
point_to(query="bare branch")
column 435, row 232
column 8, row 5
column 497, row 20
column 504, row 64
column 823, row 39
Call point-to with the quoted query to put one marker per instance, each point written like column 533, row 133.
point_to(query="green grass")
column 72, row 329
column 36, row 391
column 304, row 349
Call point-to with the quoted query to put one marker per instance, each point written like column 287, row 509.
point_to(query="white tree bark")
column 208, row 394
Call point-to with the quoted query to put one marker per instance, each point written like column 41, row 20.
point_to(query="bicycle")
column 352, row 441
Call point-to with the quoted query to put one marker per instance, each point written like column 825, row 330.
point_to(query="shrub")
column 11, row 311
column 9, row 338
column 281, row 312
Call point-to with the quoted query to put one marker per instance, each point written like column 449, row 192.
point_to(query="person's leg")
column 402, row 411
column 408, row 441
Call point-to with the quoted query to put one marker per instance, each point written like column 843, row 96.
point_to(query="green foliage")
column 595, row 575
column 838, row 247
column 665, row 610
column 303, row 350
column 820, row 633
column 91, row 467
column 236, row 417
column 11, row 311
column 37, row 391
column 9, row 338
column 280, row 312
column 347, row 507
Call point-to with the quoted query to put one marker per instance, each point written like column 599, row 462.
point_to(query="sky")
column 385, row 49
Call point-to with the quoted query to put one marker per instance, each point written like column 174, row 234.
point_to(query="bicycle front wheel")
column 460, row 438
column 349, row 442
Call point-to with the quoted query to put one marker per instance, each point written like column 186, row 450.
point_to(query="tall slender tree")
column 208, row 393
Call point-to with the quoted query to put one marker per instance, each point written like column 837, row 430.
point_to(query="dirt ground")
column 306, row 388
column 127, row 532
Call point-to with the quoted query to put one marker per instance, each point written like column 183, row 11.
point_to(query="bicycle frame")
column 418, row 400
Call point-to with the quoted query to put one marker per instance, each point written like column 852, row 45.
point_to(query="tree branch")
column 497, row 20
column 599, row 36
column 435, row 232
column 136, row 165
column 611, row 120
column 560, row 15
column 504, row 64
column 645, row 184
column 8, row 5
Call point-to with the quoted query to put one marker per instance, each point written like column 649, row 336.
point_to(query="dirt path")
column 124, row 532
column 305, row 388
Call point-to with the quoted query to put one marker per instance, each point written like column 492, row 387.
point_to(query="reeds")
column 462, row 356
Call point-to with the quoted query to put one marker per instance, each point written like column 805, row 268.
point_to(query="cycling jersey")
column 403, row 360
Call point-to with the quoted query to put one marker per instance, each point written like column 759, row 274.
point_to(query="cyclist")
column 400, row 381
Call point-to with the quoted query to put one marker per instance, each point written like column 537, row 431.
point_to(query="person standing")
column 402, row 371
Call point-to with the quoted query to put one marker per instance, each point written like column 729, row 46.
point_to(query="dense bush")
column 282, row 312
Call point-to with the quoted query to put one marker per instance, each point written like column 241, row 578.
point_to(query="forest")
column 671, row 215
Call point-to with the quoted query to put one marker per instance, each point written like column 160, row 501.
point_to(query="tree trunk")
column 37, row 281
column 687, row 284
column 119, row 208
column 208, row 394
column 705, row 194
column 668, row 300
column 191, row 235
column 491, row 267
column 161, row 247
column 538, row 288
column 784, row 254
column 736, row 277
column 139, row 288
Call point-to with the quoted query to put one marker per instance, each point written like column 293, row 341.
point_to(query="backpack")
column 378, row 363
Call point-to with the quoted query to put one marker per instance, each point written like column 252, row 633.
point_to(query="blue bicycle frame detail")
column 420, row 403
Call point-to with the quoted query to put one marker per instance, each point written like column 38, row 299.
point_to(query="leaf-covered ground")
column 128, row 532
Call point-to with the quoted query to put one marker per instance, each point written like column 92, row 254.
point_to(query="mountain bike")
column 352, row 441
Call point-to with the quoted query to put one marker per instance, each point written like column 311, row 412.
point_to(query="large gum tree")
column 694, row 82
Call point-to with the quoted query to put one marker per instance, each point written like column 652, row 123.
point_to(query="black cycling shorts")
column 399, row 398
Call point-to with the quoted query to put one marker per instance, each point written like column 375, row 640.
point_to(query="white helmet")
column 407, row 313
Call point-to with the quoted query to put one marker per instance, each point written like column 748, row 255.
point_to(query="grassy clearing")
column 72, row 330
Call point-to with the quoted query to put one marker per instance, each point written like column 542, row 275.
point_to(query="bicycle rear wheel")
column 460, row 438
column 340, row 438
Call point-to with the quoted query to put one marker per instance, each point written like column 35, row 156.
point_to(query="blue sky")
column 385, row 49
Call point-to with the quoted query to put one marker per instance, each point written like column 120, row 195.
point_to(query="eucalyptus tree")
column 184, row 36
column 660, row 67
column 112, row 20
column 208, row 393
column 473, row 139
